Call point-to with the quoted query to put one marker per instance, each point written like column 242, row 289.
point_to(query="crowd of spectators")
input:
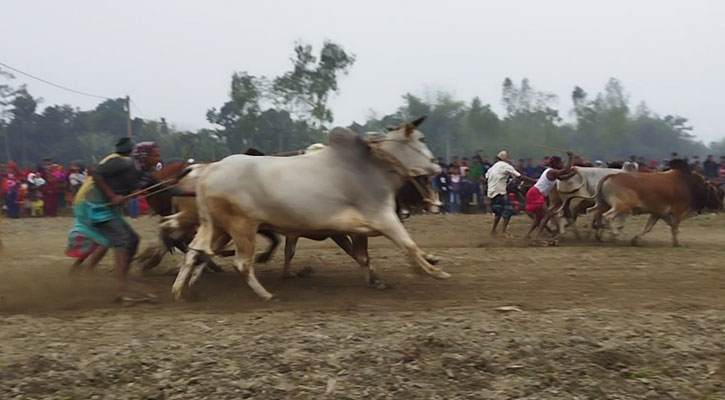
column 45, row 190
column 49, row 187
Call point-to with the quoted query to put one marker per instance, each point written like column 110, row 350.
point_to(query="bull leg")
column 615, row 218
column 274, row 242
column 243, row 236
column 534, row 224
column 151, row 257
column 192, row 260
column 647, row 228
column 226, row 253
column 360, row 253
column 596, row 211
column 206, row 263
column 674, row 224
column 570, row 216
column 675, row 228
column 394, row 230
column 345, row 244
column 290, row 245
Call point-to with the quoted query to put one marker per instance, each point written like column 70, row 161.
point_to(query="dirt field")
column 598, row 321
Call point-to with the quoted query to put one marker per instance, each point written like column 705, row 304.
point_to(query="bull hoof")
column 128, row 301
column 270, row 297
column 212, row 267
column 263, row 258
column 635, row 241
column 433, row 260
column 178, row 294
column 442, row 275
column 379, row 285
column 305, row 272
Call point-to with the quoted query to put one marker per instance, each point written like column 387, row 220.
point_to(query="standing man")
column 536, row 196
column 497, row 177
column 711, row 167
column 531, row 169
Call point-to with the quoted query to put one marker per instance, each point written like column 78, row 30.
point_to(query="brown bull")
column 670, row 196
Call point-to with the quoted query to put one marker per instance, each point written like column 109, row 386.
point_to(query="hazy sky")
column 175, row 58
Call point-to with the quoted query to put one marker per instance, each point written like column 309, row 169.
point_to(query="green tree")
column 22, row 128
column 239, row 116
column 306, row 89
column 6, row 93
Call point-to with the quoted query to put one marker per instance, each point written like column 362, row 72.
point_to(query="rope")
column 147, row 189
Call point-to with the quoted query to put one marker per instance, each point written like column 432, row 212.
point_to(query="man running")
column 536, row 196
column 97, row 208
column 497, row 177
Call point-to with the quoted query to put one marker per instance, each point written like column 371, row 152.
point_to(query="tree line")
column 290, row 111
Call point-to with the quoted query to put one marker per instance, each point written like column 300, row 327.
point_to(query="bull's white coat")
column 341, row 188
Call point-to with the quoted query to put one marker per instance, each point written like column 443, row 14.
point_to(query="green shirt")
column 476, row 171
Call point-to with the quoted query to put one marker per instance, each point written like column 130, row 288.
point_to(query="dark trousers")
column 120, row 235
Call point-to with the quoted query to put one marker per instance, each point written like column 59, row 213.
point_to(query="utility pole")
column 448, row 145
column 7, row 142
column 128, row 117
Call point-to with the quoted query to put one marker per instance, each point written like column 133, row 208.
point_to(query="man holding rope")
column 497, row 177
column 99, row 221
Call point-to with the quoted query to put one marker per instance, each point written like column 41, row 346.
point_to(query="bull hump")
column 343, row 138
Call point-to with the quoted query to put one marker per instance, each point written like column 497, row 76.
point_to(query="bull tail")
column 599, row 195
column 565, row 206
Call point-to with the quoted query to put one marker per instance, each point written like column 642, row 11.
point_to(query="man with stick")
column 99, row 221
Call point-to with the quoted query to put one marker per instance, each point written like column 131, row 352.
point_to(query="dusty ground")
column 598, row 321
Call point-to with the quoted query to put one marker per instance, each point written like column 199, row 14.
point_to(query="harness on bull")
column 400, row 168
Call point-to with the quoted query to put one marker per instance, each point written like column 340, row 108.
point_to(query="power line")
column 54, row 84
column 138, row 110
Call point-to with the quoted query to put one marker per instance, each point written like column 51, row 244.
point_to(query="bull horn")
column 418, row 121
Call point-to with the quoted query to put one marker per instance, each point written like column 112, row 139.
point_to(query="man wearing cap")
column 497, row 177
column 99, row 222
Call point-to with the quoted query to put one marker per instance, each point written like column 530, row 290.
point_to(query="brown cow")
column 670, row 196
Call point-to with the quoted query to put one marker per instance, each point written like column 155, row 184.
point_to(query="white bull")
column 346, row 188
column 582, row 184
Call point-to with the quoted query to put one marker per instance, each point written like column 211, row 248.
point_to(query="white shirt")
column 76, row 178
column 498, row 176
column 544, row 184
